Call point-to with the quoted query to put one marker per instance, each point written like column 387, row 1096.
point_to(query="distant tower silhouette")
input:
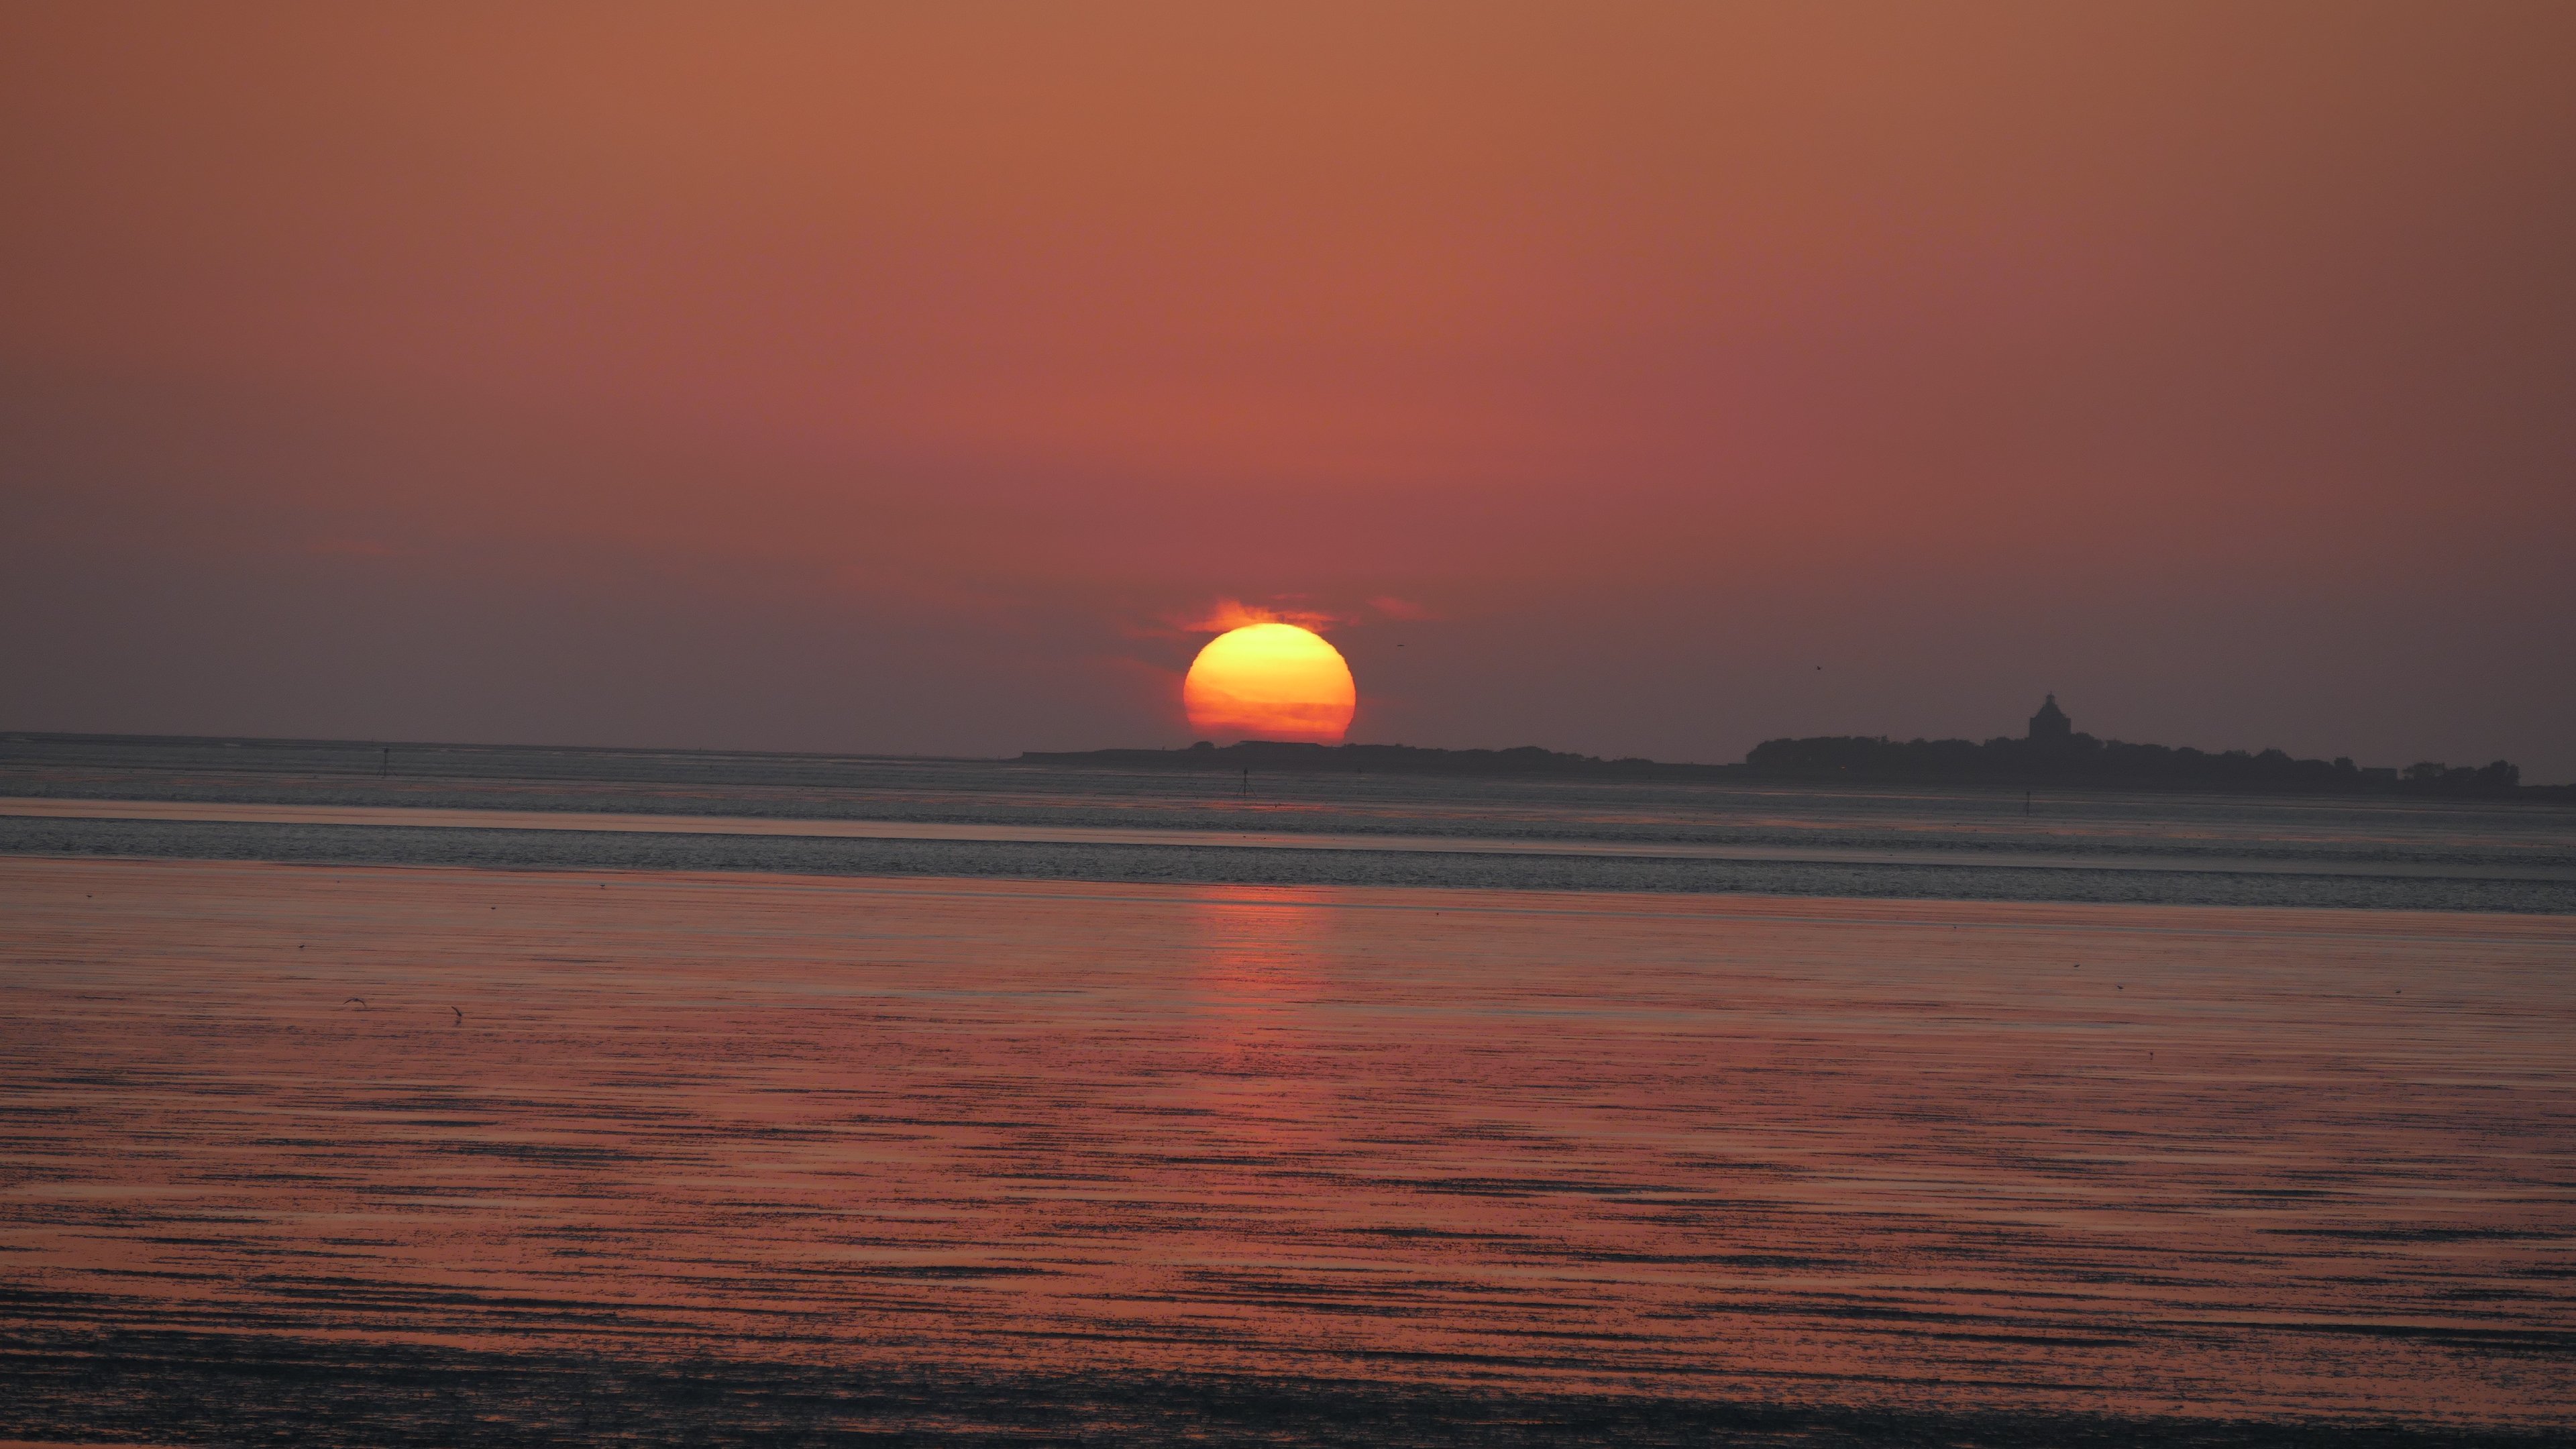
column 2051, row 725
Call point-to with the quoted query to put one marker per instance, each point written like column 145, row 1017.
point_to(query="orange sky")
column 847, row 377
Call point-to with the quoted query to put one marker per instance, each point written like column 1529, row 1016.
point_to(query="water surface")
column 254, row 800
column 2168, row 1165
column 522, row 1096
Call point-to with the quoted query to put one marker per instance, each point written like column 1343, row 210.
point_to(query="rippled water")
column 1070, row 1138
column 2149, row 1162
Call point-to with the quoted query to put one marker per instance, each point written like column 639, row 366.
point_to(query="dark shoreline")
column 412, row 759
column 1995, row 765
column 574, row 850
column 195, row 1387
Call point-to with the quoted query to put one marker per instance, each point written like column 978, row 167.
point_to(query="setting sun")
column 1270, row 682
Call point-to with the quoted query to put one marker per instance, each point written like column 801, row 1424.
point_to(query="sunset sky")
column 1626, row 379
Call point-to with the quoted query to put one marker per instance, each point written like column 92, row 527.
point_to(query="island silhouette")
column 2052, row 753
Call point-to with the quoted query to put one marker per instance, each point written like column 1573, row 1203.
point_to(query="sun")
column 1270, row 682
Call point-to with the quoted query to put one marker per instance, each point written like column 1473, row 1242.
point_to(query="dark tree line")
column 2084, row 760
column 2073, row 762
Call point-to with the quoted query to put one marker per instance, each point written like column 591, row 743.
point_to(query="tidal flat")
column 399, row 1154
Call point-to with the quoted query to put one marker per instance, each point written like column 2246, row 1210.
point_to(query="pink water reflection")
column 2235, row 1162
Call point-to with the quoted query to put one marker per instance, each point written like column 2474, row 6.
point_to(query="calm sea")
column 770, row 1099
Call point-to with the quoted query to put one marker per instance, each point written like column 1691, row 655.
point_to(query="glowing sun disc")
column 1270, row 682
